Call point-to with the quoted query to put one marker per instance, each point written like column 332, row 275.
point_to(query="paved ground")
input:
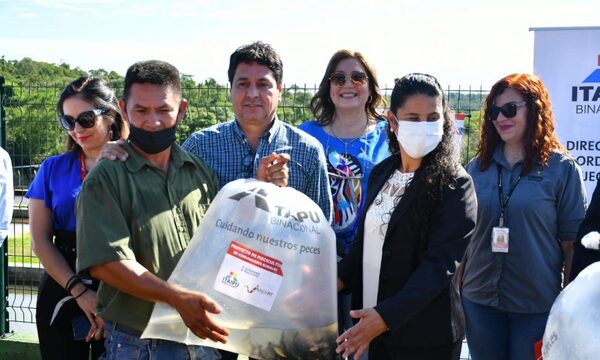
column 23, row 328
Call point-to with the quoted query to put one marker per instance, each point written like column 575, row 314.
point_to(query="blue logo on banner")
column 587, row 93
column 594, row 77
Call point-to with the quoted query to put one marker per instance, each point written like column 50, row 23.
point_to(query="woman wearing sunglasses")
column 90, row 115
column 419, row 213
column 531, row 200
column 354, row 138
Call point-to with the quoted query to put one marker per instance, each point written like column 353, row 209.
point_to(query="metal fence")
column 30, row 133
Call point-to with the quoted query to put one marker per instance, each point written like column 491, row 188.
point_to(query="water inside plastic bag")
column 266, row 255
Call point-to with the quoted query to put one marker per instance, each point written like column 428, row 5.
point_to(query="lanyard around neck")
column 504, row 201
column 82, row 162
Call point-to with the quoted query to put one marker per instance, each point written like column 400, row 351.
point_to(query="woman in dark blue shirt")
column 89, row 113
column 531, row 201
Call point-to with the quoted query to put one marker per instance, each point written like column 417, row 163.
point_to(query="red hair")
column 539, row 140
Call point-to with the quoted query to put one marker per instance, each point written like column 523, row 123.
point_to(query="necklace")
column 348, row 142
column 345, row 166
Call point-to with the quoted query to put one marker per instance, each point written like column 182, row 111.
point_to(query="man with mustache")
column 255, row 74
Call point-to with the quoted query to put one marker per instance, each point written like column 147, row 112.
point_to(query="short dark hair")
column 152, row 72
column 95, row 91
column 257, row 52
column 321, row 105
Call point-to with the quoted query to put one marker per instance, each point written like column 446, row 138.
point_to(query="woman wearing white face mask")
column 420, row 211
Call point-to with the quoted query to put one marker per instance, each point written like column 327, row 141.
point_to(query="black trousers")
column 56, row 340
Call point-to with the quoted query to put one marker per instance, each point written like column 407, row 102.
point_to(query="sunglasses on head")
column 86, row 119
column 508, row 110
column 357, row 77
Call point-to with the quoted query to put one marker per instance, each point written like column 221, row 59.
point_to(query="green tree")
column 32, row 90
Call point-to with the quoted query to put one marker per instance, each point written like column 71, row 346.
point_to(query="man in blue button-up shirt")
column 234, row 149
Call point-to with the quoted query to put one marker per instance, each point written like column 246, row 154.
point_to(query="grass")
column 19, row 250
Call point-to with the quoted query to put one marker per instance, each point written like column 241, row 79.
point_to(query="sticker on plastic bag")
column 249, row 276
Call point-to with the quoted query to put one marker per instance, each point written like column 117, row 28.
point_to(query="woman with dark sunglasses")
column 354, row 138
column 419, row 213
column 531, row 199
column 66, row 324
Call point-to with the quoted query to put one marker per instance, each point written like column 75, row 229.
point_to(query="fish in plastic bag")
column 574, row 321
column 267, row 256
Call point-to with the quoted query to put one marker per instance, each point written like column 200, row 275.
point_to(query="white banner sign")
column 568, row 61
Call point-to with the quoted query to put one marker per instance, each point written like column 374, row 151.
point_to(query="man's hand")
column 304, row 298
column 273, row 169
column 132, row 278
column 113, row 150
column 194, row 309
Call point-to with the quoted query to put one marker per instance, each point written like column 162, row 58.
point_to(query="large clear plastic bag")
column 266, row 255
column 573, row 327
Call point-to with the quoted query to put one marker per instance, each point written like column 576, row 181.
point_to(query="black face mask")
column 152, row 142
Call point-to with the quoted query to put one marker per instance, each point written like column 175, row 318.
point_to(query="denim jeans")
column 122, row 344
column 494, row 334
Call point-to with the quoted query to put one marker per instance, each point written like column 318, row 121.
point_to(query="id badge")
column 500, row 239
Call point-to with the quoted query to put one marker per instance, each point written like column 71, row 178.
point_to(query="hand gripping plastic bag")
column 574, row 322
column 266, row 255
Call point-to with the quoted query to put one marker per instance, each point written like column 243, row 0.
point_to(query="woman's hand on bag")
column 356, row 339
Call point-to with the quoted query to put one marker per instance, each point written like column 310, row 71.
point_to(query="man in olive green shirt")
column 135, row 219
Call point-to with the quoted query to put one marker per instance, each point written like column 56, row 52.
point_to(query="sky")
column 463, row 43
